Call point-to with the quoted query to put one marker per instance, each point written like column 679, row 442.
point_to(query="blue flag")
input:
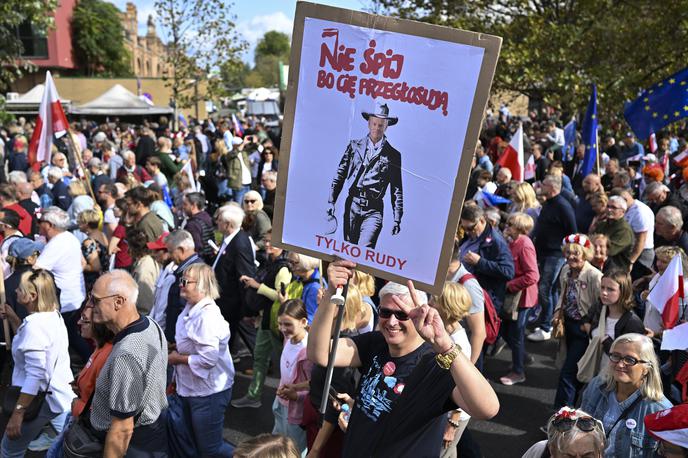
column 493, row 200
column 590, row 134
column 659, row 105
column 569, row 139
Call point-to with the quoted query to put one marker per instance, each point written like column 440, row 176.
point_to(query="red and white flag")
column 667, row 295
column 653, row 142
column 512, row 157
column 679, row 159
column 51, row 120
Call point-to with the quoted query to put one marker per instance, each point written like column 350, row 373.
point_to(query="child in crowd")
column 295, row 372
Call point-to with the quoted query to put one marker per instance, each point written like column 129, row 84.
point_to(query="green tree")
column 552, row 51
column 201, row 36
column 14, row 13
column 273, row 44
column 270, row 50
column 99, row 39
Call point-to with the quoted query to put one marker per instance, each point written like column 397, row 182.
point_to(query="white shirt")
column 225, row 243
column 289, row 362
column 62, row 257
column 641, row 219
column 162, row 287
column 41, row 355
column 203, row 334
column 245, row 171
column 557, row 136
column 109, row 216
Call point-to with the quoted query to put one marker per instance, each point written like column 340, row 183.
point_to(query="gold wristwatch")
column 445, row 360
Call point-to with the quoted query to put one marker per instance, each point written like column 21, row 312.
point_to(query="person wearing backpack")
column 486, row 254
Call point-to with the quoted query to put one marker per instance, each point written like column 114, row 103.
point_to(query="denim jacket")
column 629, row 436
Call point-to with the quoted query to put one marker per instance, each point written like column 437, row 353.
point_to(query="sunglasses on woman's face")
column 185, row 282
column 387, row 313
column 586, row 424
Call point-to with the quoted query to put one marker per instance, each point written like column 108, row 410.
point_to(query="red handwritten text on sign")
column 387, row 64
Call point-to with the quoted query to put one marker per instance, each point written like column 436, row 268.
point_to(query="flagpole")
column 597, row 151
column 338, row 299
column 77, row 154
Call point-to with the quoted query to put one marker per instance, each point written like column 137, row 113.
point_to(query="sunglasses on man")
column 387, row 313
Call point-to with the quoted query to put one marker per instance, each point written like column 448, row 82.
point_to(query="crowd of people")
column 139, row 269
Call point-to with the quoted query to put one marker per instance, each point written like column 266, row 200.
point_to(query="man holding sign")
column 369, row 166
column 413, row 373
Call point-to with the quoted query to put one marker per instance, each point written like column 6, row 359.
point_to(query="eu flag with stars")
column 659, row 105
column 590, row 134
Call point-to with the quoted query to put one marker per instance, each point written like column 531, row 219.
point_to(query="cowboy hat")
column 382, row 112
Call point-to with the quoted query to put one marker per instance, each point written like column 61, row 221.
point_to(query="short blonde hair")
column 89, row 217
column 41, row 283
column 205, row 276
column 364, row 282
column 76, row 188
column 454, row 303
column 669, row 252
column 522, row 222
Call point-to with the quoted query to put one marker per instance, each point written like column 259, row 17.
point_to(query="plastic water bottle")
column 347, row 412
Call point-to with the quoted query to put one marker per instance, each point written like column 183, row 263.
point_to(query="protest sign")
column 381, row 121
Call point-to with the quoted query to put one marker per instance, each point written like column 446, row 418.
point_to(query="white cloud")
column 254, row 29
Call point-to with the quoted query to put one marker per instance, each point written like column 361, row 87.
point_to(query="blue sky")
column 254, row 17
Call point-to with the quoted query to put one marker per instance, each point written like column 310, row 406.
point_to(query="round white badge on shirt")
column 631, row 423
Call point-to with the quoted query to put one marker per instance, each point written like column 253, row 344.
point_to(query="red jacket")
column 25, row 219
column 527, row 274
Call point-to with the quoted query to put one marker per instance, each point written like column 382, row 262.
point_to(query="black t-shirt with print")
column 386, row 423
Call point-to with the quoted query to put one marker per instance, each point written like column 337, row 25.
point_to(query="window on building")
column 35, row 42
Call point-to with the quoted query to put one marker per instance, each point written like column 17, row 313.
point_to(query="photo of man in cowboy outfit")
column 368, row 167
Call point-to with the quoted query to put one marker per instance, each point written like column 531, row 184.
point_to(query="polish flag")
column 51, row 121
column 512, row 157
column 653, row 142
column 238, row 129
column 667, row 295
column 681, row 158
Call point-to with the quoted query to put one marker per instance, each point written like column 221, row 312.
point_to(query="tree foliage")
column 272, row 49
column 98, row 39
column 201, row 37
column 553, row 50
column 12, row 14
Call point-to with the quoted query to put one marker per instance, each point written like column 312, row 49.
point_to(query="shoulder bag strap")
column 624, row 414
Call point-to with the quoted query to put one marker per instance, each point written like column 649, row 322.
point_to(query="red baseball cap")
column 669, row 425
column 159, row 244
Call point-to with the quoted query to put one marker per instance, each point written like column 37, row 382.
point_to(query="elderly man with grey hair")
column 669, row 228
column 129, row 398
column 131, row 172
column 658, row 195
column 62, row 257
column 411, row 353
column 180, row 246
column 59, row 190
column 234, row 259
column 619, row 233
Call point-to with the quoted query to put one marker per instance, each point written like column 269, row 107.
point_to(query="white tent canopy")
column 29, row 102
column 118, row 100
